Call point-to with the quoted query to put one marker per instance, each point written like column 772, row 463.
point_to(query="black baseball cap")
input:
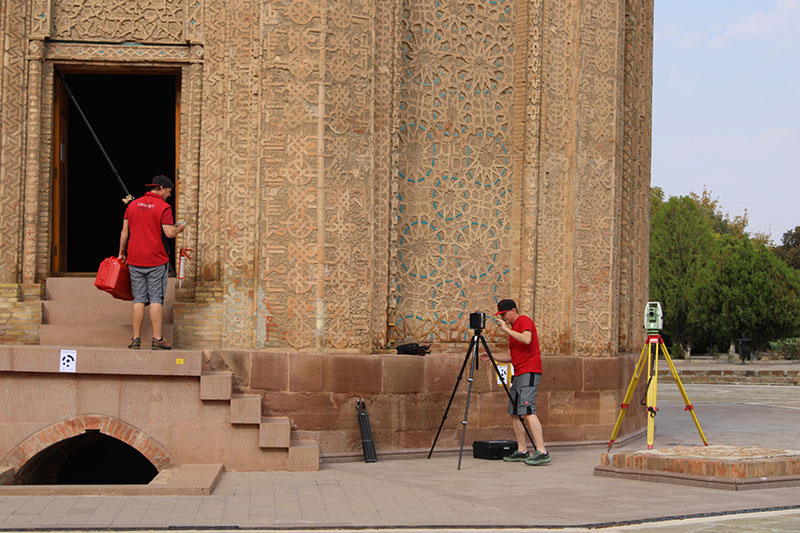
column 505, row 305
column 161, row 181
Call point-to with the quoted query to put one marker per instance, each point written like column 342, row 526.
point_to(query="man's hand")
column 503, row 326
column 123, row 258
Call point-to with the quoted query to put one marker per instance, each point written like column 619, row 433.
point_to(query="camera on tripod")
column 477, row 320
column 653, row 318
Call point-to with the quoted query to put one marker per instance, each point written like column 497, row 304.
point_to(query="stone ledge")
column 719, row 467
column 98, row 360
column 185, row 480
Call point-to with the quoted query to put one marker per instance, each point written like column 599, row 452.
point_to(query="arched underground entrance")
column 87, row 459
column 88, row 450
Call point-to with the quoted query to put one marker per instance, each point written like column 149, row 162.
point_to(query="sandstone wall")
column 406, row 396
column 362, row 172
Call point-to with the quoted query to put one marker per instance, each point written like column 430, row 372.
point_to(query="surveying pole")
column 653, row 323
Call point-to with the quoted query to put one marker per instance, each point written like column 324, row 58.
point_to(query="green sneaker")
column 517, row 456
column 538, row 458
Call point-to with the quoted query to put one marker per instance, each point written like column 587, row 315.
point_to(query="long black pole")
column 128, row 196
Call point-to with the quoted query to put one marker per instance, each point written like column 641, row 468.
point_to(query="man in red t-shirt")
column 140, row 245
column 523, row 347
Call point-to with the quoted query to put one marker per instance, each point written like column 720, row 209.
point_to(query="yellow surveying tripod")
column 654, row 343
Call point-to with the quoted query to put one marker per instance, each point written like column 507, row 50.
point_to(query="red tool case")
column 114, row 278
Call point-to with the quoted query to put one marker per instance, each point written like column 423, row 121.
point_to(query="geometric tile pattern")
column 455, row 165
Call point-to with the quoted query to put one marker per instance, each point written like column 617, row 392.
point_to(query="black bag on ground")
column 493, row 449
column 413, row 348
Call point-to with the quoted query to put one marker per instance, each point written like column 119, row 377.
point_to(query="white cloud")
column 781, row 24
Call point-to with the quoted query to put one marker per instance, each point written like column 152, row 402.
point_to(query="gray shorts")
column 523, row 394
column 148, row 284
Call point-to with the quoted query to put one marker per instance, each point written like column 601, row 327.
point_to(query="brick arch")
column 71, row 427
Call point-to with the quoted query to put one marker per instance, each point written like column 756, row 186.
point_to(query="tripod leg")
column 466, row 408
column 689, row 406
column 473, row 342
column 652, row 379
column 508, row 393
column 628, row 395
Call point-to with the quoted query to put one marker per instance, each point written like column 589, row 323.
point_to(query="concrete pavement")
column 488, row 495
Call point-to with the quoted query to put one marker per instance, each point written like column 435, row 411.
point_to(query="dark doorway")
column 87, row 459
column 134, row 117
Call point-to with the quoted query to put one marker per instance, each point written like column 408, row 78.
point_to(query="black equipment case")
column 493, row 449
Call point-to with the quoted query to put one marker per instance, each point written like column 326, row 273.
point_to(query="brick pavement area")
column 484, row 494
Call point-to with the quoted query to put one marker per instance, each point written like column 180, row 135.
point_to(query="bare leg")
column 519, row 432
column 536, row 431
column 156, row 316
column 138, row 319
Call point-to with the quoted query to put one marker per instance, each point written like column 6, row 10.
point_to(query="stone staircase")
column 273, row 432
column 76, row 313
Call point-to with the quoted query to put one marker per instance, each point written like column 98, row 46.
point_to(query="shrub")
column 676, row 351
column 786, row 348
column 713, row 352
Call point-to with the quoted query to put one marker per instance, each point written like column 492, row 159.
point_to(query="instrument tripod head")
column 477, row 322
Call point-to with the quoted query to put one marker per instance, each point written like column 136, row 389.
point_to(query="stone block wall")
column 406, row 396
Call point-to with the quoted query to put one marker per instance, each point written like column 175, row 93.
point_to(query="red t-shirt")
column 525, row 357
column 145, row 215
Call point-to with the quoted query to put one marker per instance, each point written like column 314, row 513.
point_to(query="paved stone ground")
column 488, row 495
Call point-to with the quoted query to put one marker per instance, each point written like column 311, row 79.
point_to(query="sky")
column 726, row 106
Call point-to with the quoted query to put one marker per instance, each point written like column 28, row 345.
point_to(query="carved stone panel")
column 12, row 138
column 455, row 168
column 150, row 21
column 315, row 255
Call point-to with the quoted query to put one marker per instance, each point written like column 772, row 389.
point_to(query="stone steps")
column 274, row 433
column 76, row 313
column 118, row 335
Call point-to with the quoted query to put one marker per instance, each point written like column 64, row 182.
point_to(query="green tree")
column 656, row 200
column 681, row 240
column 789, row 249
column 745, row 290
column 721, row 223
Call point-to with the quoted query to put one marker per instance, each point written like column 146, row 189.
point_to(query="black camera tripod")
column 473, row 351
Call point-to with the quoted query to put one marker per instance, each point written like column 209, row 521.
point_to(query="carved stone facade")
column 360, row 172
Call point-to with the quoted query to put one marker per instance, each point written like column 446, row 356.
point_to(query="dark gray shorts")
column 523, row 394
column 148, row 284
